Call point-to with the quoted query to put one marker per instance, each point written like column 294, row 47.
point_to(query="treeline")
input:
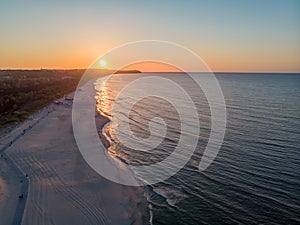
column 22, row 92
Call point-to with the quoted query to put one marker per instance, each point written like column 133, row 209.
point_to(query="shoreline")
column 141, row 207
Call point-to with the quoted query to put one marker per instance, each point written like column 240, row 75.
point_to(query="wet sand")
column 62, row 189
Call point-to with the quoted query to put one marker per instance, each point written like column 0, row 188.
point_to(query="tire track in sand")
column 38, row 192
column 74, row 195
column 41, row 172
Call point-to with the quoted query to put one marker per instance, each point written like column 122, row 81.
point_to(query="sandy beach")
column 60, row 188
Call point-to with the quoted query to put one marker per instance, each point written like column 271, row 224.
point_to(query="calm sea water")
column 255, row 178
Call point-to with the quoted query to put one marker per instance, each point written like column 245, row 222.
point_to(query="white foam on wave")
column 172, row 195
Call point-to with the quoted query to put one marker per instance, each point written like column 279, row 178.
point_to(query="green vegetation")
column 25, row 91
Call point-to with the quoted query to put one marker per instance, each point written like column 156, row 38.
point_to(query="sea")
column 254, row 178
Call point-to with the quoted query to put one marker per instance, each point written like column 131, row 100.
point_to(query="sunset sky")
column 227, row 35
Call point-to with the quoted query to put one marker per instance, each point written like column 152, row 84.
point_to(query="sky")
column 248, row 36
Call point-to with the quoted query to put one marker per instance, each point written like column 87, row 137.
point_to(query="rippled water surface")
column 256, row 176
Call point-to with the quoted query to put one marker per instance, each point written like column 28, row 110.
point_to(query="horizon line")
column 245, row 72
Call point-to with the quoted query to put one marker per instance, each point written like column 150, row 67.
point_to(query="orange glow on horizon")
column 83, row 57
column 152, row 67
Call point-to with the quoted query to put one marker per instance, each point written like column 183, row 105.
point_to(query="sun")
column 102, row 63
